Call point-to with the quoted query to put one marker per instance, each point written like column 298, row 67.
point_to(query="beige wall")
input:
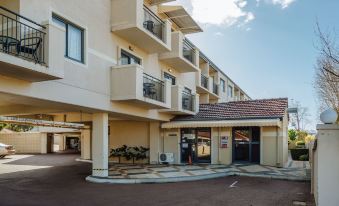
column 26, row 142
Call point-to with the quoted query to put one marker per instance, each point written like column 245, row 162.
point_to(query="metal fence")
column 188, row 101
column 153, row 88
column 153, row 23
column 204, row 81
column 21, row 36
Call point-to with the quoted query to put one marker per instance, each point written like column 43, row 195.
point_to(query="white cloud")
column 221, row 12
column 218, row 34
column 283, row 3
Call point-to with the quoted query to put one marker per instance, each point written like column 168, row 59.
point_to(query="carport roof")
column 239, row 110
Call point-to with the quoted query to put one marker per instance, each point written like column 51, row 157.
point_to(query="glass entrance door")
column 246, row 146
column 204, row 145
column 196, row 145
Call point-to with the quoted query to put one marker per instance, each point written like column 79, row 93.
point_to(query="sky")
column 268, row 47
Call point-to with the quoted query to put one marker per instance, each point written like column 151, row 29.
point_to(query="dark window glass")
column 74, row 39
column 230, row 91
column 127, row 58
column 170, row 77
column 222, row 83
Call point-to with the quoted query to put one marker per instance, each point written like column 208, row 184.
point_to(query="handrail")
column 154, row 15
column 18, row 15
column 154, row 78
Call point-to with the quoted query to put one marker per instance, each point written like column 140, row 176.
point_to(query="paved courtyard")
column 60, row 180
column 122, row 173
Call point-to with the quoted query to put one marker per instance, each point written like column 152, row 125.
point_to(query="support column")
column 326, row 166
column 154, row 142
column 86, row 144
column 100, row 145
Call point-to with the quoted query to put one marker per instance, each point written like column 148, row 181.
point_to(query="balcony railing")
column 153, row 88
column 188, row 51
column 21, row 36
column 188, row 101
column 153, row 23
column 215, row 88
column 204, row 81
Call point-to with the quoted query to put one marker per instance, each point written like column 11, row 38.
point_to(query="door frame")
column 249, row 145
column 196, row 145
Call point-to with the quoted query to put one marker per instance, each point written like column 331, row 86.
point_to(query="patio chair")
column 149, row 25
column 30, row 46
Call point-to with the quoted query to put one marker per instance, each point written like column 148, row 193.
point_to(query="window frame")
column 130, row 55
column 172, row 78
column 230, row 91
column 58, row 20
column 223, row 85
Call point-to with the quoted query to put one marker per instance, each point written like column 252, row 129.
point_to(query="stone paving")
column 123, row 173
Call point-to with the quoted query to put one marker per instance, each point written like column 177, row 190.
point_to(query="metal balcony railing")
column 153, row 88
column 215, row 89
column 153, row 23
column 204, row 81
column 188, row 51
column 21, row 37
column 188, row 101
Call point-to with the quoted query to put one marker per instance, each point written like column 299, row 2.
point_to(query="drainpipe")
column 218, row 144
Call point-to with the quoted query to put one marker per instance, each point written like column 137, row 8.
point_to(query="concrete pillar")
column 154, row 142
column 100, row 145
column 86, row 144
column 326, row 166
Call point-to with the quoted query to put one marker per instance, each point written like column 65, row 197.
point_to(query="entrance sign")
column 224, row 141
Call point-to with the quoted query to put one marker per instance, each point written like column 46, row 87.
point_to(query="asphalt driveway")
column 57, row 179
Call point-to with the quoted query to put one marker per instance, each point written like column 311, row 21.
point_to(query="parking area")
column 57, row 179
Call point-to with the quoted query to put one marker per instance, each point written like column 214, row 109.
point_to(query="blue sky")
column 265, row 46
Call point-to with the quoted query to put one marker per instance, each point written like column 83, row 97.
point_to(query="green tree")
column 292, row 134
column 2, row 125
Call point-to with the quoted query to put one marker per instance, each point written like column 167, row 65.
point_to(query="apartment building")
column 123, row 69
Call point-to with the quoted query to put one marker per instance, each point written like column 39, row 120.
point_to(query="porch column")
column 86, row 144
column 100, row 145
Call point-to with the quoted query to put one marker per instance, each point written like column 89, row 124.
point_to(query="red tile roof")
column 251, row 109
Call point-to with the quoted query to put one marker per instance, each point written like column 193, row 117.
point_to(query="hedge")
column 296, row 153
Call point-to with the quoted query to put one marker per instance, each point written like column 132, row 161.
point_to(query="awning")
column 180, row 17
column 223, row 123
column 44, row 123
column 156, row 2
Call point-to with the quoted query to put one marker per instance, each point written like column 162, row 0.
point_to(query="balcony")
column 137, row 24
column 202, row 84
column 130, row 84
column 214, row 94
column 183, row 56
column 23, row 48
column 183, row 102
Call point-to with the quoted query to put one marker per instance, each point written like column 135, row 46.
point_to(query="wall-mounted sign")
column 223, row 141
column 172, row 135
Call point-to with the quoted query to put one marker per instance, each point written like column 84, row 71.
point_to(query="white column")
column 86, row 144
column 100, row 145
column 326, row 166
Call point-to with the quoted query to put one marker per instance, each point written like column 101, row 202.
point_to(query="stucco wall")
column 26, row 142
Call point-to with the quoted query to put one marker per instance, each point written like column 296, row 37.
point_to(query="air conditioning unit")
column 166, row 158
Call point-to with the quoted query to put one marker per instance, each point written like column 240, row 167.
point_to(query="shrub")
column 309, row 138
column 301, row 135
column 292, row 134
column 130, row 153
column 296, row 153
column 300, row 144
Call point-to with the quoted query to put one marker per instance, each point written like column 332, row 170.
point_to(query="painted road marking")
column 233, row 184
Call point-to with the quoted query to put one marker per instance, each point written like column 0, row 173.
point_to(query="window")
column 128, row 58
column 170, row 77
column 74, row 39
column 222, row 84
column 230, row 91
